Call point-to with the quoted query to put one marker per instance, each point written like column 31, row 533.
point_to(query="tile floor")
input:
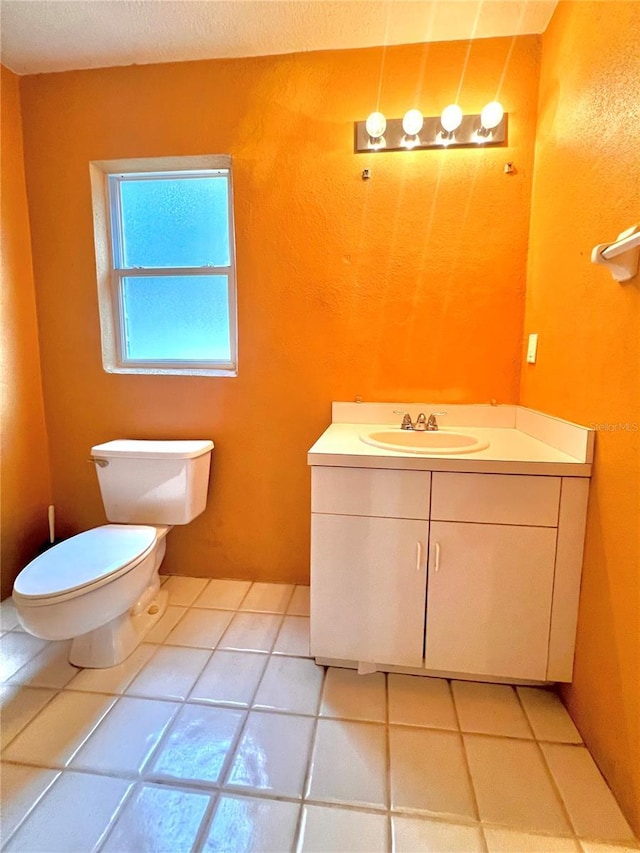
column 220, row 734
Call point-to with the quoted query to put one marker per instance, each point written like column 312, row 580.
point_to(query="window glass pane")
column 176, row 317
column 175, row 222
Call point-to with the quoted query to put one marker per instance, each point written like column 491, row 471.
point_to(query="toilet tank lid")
column 187, row 449
column 99, row 554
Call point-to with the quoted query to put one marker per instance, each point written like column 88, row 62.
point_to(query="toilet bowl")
column 102, row 587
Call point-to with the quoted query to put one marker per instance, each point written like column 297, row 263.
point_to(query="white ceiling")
column 60, row 35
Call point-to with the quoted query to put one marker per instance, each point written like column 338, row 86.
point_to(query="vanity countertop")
column 521, row 441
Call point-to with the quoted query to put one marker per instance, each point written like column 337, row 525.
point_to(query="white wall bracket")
column 621, row 256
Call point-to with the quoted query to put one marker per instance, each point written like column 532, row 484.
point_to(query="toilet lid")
column 84, row 559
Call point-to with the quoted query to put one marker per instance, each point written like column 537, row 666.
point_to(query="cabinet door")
column 368, row 585
column 489, row 599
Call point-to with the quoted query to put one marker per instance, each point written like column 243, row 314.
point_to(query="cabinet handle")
column 436, row 562
column 418, row 556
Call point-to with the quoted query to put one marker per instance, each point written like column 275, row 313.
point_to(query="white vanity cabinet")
column 369, row 536
column 456, row 573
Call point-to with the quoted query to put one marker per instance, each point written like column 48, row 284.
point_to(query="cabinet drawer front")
column 496, row 499
column 370, row 491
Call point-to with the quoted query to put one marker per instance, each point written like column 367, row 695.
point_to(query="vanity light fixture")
column 490, row 119
column 451, row 129
column 491, row 115
column 376, row 124
column 412, row 124
column 450, row 119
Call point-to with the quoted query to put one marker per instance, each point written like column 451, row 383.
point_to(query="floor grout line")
column 306, row 781
column 387, row 739
column 465, row 758
column 31, row 808
column 217, row 790
column 208, row 787
column 222, row 704
column 132, row 791
column 524, row 711
column 56, row 692
column 556, row 790
column 206, row 822
column 228, row 762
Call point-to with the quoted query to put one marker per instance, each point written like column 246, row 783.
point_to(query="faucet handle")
column 432, row 423
column 406, row 419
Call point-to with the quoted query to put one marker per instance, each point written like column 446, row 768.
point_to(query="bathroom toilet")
column 102, row 587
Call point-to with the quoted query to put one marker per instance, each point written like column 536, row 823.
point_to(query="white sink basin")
column 428, row 442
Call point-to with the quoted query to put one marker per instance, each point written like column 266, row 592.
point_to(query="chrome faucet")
column 422, row 423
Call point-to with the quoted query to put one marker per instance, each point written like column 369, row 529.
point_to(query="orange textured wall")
column 587, row 190
column 25, row 489
column 408, row 286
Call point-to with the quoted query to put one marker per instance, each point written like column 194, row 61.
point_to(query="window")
column 165, row 259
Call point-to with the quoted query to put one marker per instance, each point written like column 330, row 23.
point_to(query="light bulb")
column 451, row 118
column 412, row 122
column 376, row 125
column 491, row 115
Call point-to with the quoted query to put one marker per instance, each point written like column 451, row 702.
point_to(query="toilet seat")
column 83, row 563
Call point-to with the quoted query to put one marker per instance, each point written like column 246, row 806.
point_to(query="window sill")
column 175, row 371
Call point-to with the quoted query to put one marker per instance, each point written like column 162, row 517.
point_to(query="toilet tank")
column 153, row 482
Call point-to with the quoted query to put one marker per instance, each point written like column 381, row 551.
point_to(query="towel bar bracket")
column 622, row 256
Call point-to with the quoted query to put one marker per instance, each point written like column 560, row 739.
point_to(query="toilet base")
column 112, row 643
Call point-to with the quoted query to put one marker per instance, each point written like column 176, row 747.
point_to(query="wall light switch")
column 532, row 349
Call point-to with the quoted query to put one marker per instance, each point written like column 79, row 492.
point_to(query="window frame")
column 106, row 180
